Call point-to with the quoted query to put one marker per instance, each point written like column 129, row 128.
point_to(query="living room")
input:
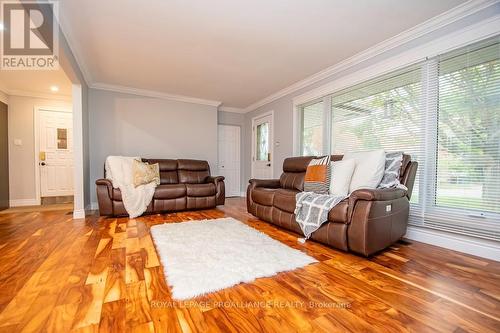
column 250, row 166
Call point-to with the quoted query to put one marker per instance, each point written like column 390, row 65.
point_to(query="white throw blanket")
column 135, row 199
column 311, row 210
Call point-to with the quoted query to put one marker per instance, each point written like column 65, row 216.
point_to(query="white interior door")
column 229, row 158
column 262, row 154
column 55, row 153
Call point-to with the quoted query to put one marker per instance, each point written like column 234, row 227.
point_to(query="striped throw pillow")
column 317, row 178
column 393, row 163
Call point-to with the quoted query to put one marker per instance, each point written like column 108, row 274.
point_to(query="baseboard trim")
column 23, row 202
column 470, row 245
column 94, row 206
column 79, row 214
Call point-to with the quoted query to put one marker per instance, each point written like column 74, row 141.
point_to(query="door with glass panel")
column 262, row 134
column 56, row 153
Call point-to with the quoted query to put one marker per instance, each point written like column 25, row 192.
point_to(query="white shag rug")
column 200, row 257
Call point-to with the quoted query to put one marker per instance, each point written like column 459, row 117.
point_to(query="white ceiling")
column 35, row 83
column 233, row 51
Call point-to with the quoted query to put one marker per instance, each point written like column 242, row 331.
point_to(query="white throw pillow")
column 369, row 169
column 341, row 175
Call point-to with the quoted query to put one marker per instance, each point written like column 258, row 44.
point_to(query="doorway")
column 54, row 160
column 229, row 157
column 4, row 157
column 262, row 147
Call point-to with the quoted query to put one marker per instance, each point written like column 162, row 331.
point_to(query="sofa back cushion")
column 193, row 171
column 294, row 170
column 341, row 175
column 370, row 166
column 405, row 165
column 168, row 170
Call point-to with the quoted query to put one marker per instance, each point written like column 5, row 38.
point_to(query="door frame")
column 239, row 153
column 271, row 142
column 36, row 118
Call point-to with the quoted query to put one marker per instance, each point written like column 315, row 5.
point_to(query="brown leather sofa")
column 184, row 184
column 365, row 222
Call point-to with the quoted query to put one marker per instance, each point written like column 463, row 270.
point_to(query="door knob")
column 268, row 164
column 42, row 163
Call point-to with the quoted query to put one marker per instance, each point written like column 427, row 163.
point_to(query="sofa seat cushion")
column 339, row 212
column 263, row 196
column 170, row 191
column 285, row 200
column 200, row 190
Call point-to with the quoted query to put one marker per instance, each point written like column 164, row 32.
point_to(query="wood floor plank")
column 104, row 275
column 113, row 317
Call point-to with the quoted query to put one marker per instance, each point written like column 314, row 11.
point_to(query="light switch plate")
column 388, row 208
column 18, row 142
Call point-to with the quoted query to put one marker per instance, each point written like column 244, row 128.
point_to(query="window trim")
column 426, row 208
column 447, row 43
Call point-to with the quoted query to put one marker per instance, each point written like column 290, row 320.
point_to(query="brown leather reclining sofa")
column 365, row 222
column 184, row 184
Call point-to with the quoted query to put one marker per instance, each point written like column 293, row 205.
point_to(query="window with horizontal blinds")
column 381, row 113
column 312, row 120
column 445, row 113
column 466, row 185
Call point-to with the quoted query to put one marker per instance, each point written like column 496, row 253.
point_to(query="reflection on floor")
column 102, row 274
column 42, row 208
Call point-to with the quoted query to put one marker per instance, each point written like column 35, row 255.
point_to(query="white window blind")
column 445, row 113
column 465, row 190
column 312, row 120
column 381, row 113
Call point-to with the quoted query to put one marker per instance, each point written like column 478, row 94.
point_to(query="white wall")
column 22, row 158
column 73, row 71
column 131, row 125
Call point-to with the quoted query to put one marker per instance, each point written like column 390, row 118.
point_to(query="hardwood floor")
column 103, row 274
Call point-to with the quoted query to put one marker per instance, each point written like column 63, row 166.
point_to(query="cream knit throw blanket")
column 119, row 172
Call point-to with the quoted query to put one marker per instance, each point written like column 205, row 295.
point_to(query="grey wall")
column 130, row 125
column 237, row 119
column 283, row 107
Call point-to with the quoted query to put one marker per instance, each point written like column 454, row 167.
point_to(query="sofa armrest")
column 253, row 183
column 220, row 188
column 104, row 189
column 377, row 218
column 107, row 183
column 215, row 179
column 270, row 183
column 383, row 194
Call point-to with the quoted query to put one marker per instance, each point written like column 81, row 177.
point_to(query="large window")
column 468, row 159
column 445, row 113
column 382, row 113
column 312, row 120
